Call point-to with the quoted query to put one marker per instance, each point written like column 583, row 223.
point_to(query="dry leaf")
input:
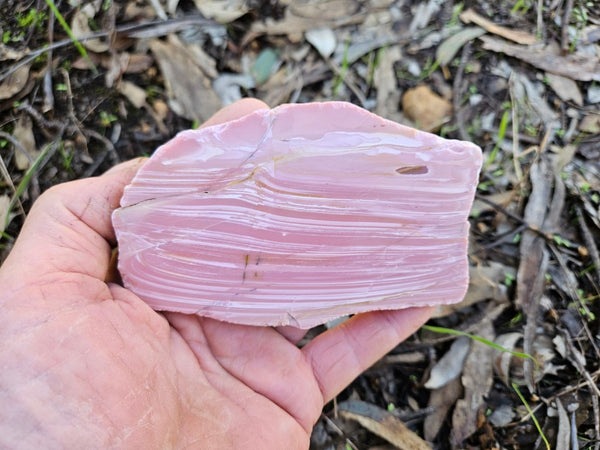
column 563, row 437
column 135, row 94
column 10, row 53
column 530, row 101
column 4, row 204
column 80, row 27
column 328, row 9
column 117, row 66
column 501, row 198
column 382, row 423
column 441, row 400
column 534, row 255
column 423, row 13
column 518, row 36
column 23, row 133
column 565, row 88
column 503, row 360
column 476, row 380
column 203, row 60
column 450, row 366
column 189, row 89
column 590, row 123
column 448, row 49
column 502, row 416
column 136, row 62
column 593, row 93
column 223, row 11
column 14, row 83
column 384, row 79
column 323, row 39
column 302, row 16
column 427, row 109
column 228, row 86
column 485, row 283
column 574, row 66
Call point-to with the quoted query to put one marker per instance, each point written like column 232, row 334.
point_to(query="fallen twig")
column 138, row 31
column 566, row 19
column 457, row 92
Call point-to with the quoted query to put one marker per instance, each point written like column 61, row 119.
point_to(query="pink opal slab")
column 298, row 215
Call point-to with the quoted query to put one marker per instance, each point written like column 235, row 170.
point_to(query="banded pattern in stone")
column 299, row 215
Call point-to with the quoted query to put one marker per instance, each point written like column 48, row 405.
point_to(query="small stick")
column 457, row 91
column 583, row 371
column 564, row 41
column 348, row 82
column 9, row 181
column 48, row 104
column 540, row 19
column 588, row 239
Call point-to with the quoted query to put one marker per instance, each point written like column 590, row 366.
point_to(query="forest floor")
column 519, row 78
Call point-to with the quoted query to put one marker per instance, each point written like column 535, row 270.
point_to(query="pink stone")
column 298, row 215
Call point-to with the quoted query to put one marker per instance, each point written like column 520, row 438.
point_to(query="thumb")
column 69, row 228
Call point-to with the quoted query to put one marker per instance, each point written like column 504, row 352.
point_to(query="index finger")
column 339, row 355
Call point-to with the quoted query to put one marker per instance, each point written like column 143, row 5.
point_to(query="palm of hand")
column 88, row 363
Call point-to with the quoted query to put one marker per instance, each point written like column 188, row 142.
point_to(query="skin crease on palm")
column 84, row 363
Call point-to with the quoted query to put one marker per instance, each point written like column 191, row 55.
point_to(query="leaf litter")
column 518, row 78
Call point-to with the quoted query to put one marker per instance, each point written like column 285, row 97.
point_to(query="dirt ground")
column 516, row 365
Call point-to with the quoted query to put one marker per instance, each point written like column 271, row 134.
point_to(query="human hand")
column 85, row 363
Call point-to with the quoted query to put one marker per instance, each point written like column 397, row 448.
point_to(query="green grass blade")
column 479, row 339
column 25, row 182
column 63, row 23
column 499, row 138
column 339, row 79
column 535, row 421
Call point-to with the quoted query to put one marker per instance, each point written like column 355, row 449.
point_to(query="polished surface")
column 299, row 215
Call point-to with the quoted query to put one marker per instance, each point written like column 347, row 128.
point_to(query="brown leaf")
column 563, row 437
column 503, row 360
column 518, row 36
column 486, row 282
column 23, row 133
column 565, row 88
column 302, row 16
column 442, row 400
column 4, row 204
column 382, row 423
column 223, row 11
column 476, row 380
column 10, row 53
column 548, row 58
column 135, row 94
column 80, row 28
column 13, row 84
column 189, row 89
column 118, row 63
column 450, row 366
column 590, row 123
column 136, row 62
column 448, row 49
column 384, row 78
column 534, row 256
column 427, row 109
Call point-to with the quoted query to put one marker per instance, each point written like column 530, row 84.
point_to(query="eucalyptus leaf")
column 448, row 49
